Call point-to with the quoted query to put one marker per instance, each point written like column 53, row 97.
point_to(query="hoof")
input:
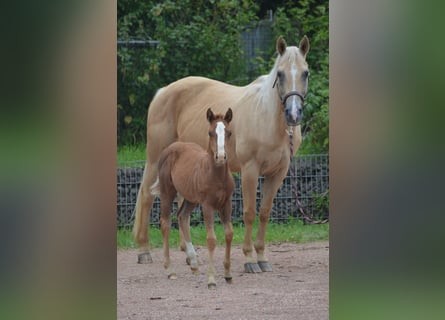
column 195, row 270
column 252, row 267
column 211, row 286
column 228, row 279
column 172, row 276
column 144, row 258
column 265, row 266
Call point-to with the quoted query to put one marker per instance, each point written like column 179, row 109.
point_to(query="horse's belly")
column 270, row 162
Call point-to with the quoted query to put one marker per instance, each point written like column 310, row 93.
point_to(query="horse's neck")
column 265, row 105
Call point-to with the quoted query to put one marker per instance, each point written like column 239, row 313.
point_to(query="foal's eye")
column 210, row 134
column 229, row 133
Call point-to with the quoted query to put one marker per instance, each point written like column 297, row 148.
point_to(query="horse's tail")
column 155, row 188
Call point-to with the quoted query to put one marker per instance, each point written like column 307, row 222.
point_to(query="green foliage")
column 294, row 231
column 321, row 203
column 195, row 38
column 203, row 38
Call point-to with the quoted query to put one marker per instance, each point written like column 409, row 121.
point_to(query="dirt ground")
column 297, row 288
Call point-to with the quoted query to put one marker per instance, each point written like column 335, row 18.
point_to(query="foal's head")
column 292, row 73
column 219, row 134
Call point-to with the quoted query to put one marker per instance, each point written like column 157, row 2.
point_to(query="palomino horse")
column 200, row 177
column 265, row 112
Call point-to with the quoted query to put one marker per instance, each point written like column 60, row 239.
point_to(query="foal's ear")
column 228, row 116
column 210, row 115
column 281, row 45
column 304, row 46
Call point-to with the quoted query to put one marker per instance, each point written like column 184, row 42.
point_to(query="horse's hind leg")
column 226, row 217
column 184, row 228
column 142, row 213
column 211, row 244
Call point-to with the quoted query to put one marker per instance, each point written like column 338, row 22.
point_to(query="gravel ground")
column 297, row 288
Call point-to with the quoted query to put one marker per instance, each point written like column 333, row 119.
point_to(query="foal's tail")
column 155, row 188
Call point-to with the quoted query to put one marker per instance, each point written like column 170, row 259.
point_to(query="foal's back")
column 184, row 168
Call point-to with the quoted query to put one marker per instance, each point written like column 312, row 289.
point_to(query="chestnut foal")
column 200, row 177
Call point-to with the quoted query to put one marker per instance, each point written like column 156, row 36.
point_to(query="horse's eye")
column 229, row 133
column 280, row 74
column 305, row 74
column 210, row 134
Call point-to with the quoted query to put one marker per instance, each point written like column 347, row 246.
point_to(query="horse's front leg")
column 270, row 188
column 208, row 214
column 249, row 176
column 226, row 219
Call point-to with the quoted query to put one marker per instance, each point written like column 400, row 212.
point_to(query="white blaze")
column 220, row 133
column 294, row 88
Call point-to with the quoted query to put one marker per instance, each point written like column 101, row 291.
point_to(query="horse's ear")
column 228, row 116
column 210, row 115
column 281, row 45
column 304, row 46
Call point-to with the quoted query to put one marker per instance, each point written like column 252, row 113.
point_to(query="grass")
column 294, row 231
column 131, row 153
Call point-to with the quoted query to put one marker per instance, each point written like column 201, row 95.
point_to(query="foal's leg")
column 249, row 174
column 226, row 218
column 166, row 204
column 208, row 214
column 270, row 188
column 184, row 227
column 181, row 235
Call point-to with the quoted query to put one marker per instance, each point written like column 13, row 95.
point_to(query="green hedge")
column 203, row 38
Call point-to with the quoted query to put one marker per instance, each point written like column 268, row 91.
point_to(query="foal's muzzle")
column 220, row 158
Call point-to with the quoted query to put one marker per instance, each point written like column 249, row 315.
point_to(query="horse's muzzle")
column 293, row 117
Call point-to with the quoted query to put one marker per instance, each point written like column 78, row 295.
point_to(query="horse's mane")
column 260, row 91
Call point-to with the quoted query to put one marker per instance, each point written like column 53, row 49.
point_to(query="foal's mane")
column 218, row 117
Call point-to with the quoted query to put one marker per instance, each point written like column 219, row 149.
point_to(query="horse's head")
column 219, row 134
column 291, row 78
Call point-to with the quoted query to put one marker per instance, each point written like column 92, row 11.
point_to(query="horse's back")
column 178, row 112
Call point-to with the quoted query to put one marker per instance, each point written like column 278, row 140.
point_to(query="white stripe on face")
column 220, row 134
column 294, row 88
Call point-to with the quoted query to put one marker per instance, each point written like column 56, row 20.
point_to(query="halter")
column 289, row 94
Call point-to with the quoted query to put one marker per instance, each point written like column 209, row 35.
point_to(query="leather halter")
column 289, row 94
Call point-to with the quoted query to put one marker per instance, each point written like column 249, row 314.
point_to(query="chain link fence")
column 312, row 177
